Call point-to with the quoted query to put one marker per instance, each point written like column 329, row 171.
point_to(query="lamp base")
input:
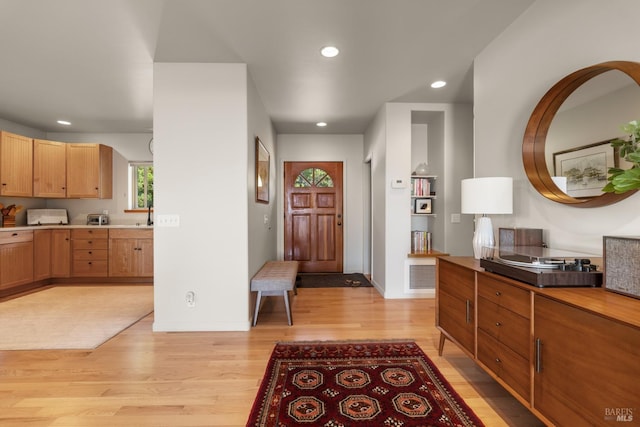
column 483, row 236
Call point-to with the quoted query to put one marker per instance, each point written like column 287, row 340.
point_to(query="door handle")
column 339, row 223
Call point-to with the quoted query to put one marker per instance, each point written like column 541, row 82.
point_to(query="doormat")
column 332, row 280
column 376, row 383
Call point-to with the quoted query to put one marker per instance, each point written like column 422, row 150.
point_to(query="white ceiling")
column 91, row 61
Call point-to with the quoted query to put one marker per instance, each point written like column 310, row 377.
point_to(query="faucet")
column 149, row 222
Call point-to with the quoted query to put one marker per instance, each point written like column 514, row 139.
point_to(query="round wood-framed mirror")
column 533, row 145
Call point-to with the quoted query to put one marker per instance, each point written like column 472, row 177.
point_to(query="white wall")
column 334, row 148
column 21, row 129
column 201, row 151
column 549, row 41
column 262, row 237
column 375, row 149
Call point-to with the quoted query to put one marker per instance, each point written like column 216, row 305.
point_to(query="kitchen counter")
column 45, row 227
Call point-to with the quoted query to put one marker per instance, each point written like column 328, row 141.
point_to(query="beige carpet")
column 71, row 317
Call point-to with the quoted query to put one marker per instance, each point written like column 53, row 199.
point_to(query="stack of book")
column 420, row 241
column 421, row 187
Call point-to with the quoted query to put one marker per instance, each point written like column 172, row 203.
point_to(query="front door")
column 313, row 216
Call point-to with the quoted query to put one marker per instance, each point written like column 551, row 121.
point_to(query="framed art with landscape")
column 586, row 168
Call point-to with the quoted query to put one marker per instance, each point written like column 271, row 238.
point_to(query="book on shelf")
column 420, row 241
column 421, row 187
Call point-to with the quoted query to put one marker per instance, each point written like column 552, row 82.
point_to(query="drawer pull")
column 498, row 324
column 14, row 234
column 538, row 355
column 498, row 293
column 90, row 253
column 498, row 360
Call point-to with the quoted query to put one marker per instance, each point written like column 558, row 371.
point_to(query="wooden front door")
column 313, row 216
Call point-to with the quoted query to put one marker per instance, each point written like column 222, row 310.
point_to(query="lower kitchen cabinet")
column 60, row 253
column 89, row 252
column 16, row 258
column 42, row 254
column 131, row 253
column 37, row 257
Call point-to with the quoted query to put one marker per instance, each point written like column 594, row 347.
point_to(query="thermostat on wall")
column 398, row 183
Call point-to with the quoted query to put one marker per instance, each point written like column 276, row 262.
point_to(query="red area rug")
column 334, row 384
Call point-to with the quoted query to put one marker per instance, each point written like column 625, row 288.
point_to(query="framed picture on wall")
column 423, row 206
column 262, row 172
column 585, row 168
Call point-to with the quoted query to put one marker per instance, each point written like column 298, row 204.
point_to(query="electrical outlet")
column 167, row 220
column 190, row 299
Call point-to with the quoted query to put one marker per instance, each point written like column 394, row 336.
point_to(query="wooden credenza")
column 570, row 355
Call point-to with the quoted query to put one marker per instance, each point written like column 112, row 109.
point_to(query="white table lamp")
column 483, row 196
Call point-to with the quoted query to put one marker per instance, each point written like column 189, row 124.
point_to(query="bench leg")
column 286, row 303
column 255, row 313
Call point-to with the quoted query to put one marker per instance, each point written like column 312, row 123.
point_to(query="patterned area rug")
column 332, row 280
column 334, row 384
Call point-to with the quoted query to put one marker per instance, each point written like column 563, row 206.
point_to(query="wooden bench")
column 275, row 278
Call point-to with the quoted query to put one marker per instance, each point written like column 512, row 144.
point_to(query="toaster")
column 97, row 219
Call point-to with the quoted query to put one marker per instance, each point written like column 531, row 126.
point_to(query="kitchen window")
column 141, row 180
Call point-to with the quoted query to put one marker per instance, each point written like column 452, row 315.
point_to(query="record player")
column 543, row 267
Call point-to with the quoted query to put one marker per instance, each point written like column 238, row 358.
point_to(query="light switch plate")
column 167, row 220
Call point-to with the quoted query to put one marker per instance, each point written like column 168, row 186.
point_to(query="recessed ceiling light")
column 321, row 124
column 438, row 84
column 64, row 122
column 329, row 51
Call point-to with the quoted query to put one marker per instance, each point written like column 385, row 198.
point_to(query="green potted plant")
column 623, row 180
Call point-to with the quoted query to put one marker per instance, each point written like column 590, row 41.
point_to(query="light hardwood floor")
column 141, row 378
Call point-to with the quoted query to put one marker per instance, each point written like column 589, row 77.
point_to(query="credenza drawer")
column 501, row 293
column 509, row 366
column 507, row 327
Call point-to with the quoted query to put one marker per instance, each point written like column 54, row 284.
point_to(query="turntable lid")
column 536, row 255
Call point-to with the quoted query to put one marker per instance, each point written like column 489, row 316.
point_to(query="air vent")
column 422, row 277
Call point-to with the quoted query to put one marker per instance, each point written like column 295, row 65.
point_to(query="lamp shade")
column 491, row 195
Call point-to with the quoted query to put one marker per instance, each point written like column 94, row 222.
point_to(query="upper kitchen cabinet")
column 49, row 169
column 16, row 165
column 89, row 171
